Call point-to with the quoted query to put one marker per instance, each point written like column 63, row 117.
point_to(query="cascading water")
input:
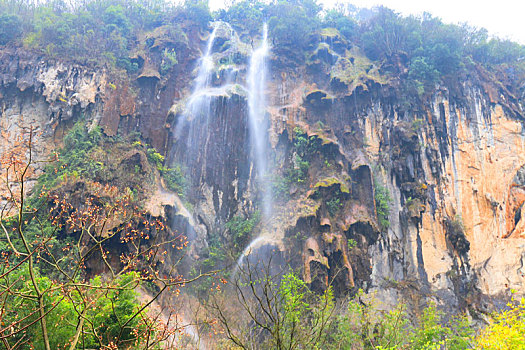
column 199, row 102
column 198, row 106
column 258, row 121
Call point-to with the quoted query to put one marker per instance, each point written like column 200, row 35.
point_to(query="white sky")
column 504, row 18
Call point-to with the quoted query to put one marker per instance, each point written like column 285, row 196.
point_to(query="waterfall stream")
column 198, row 106
column 199, row 103
column 259, row 124
column 194, row 121
column 258, row 120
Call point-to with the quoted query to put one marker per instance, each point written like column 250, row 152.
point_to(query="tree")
column 276, row 310
column 47, row 297
column 10, row 28
column 344, row 24
column 198, row 12
column 506, row 329
column 385, row 36
column 291, row 22
column 246, row 15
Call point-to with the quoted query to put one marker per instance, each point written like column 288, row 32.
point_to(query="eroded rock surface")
column 454, row 229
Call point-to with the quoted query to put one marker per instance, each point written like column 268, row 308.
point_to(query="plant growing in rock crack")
column 169, row 59
column 174, row 177
column 224, row 251
column 304, row 149
column 241, row 229
column 352, row 243
column 333, row 205
column 382, row 201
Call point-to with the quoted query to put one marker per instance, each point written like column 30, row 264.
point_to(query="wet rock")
column 318, row 99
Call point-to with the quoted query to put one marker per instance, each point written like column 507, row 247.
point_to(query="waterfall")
column 199, row 102
column 258, row 122
column 197, row 107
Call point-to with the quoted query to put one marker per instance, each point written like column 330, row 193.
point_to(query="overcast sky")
column 504, row 18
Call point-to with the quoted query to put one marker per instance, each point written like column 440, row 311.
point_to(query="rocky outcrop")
column 453, row 170
column 377, row 196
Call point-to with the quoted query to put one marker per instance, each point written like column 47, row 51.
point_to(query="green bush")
column 291, row 22
column 246, row 15
column 344, row 24
column 198, row 12
column 382, row 201
column 73, row 158
column 432, row 333
column 280, row 186
column 169, row 60
column 506, row 329
column 365, row 325
column 108, row 311
column 155, row 157
column 241, row 230
column 333, row 205
column 175, row 179
column 224, row 251
column 10, row 28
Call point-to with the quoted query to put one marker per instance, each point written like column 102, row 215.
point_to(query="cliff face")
column 453, row 228
column 453, row 170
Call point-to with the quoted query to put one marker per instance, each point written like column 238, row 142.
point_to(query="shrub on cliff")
column 338, row 20
column 198, row 12
column 382, row 203
column 291, row 22
column 10, row 28
column 246, row 15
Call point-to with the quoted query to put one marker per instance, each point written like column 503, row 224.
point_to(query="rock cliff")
column 413, row 202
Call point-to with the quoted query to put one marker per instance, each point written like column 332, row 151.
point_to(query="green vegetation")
column 241, row 230
column 333, row 205
column 10, row 28
column 55, row 241
column 291, row 20
column 366, row 326
column 506, row 329
column 422, row 50
column 304, row 149
column 43, row 274
column 110, row 308
column 382, row 199
column 95, row 32
column 74, row 158
column 346, row 25
column 282, row 313
column 225, row 251
column 246, row 16
column 289, row 315
column 174, row 177
column 169, row 59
